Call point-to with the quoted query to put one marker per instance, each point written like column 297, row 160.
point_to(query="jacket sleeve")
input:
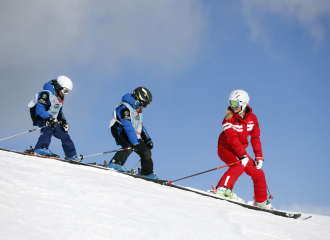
column 123, row 114
column 233, row 138
column 255, row 139
column 43, row 101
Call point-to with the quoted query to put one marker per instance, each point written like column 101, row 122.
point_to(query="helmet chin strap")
column 242, row 110
column 58, row 94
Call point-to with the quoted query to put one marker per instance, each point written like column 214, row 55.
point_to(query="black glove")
column 65, row 126
column 50, row 122
column 150, row 145
column 136, row 147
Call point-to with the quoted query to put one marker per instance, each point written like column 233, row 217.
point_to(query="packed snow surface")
column 48, row 199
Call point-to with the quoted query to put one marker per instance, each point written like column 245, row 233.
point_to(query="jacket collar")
column 248, row 111
column 131, row 101
column 50, row 87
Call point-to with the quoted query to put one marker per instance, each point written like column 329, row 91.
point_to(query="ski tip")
column 170, row 182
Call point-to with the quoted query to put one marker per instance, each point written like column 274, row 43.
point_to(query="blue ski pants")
column 46, row 135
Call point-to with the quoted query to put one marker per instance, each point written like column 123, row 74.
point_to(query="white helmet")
column 239, row 98
column 65, row 84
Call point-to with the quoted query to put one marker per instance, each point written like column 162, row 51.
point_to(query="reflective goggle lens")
column 66, row 90
column 144, row 104
column 234, row 103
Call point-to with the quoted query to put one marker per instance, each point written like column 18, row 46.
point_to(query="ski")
column 29, row 152
column 158, row 181
column 211, row 194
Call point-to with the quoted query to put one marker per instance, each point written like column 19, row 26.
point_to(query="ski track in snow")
column 49, row 199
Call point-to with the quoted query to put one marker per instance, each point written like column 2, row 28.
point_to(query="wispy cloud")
column 164, row 34
column 313, row 15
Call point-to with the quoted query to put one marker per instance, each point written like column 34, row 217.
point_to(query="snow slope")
column 49, row 199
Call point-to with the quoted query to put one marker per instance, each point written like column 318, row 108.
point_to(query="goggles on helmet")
column 234, row 103
column 65, row 90
column 143, row 104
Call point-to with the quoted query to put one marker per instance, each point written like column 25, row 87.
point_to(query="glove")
column 136, row 147
column 50, row 122
column 65, row 126
column 244, row 160
column 259, row 161
column 150, row 145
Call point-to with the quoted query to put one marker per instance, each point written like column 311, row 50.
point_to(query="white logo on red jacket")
column 237, row 128
column 249, row 127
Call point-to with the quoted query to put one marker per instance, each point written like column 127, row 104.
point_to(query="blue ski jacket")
column 126, row 125
column 41, row 109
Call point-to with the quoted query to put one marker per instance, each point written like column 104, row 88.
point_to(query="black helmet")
column 143, row 95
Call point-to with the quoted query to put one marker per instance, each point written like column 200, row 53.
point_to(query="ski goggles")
column 65, row 91
column 234, row 103
column 144, row 104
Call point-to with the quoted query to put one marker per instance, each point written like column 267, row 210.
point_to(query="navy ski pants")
column 46, row 135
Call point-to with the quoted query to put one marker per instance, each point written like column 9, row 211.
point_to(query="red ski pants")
column 232, row 174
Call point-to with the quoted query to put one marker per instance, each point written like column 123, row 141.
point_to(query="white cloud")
column 166, row 33
column 35, row 31
column 89, row 41
column 310, row 14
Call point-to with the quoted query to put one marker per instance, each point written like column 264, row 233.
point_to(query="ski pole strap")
column 122, row 149
column 23, row 133
column 204, row 172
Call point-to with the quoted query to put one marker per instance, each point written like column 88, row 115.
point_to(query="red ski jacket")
column 236, row 131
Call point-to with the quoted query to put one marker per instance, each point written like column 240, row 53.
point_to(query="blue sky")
column 190, row 55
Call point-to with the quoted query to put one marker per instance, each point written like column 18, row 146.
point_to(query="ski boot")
column 43, row 152
column 264, row 205
column 117, row 167
column 228, row 193
column 75, row 158
column 152, row 176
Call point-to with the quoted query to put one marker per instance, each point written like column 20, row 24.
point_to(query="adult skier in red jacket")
column 238, row 124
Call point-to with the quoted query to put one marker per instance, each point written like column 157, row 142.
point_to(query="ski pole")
column 122, row 149
column 270, row 196
column 133, row 169
column 23, row 133
column 170, row 182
